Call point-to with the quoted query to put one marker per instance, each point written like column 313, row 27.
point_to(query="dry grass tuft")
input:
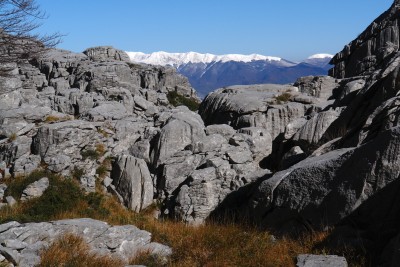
column 101, row 149
column 283, row 98
column 12, row 137
column 71, row 250
column 52, row 118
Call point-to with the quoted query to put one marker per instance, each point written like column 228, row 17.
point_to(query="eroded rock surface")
column 21, row 244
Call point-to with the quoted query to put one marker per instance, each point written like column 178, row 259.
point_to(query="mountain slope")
column 207, row 72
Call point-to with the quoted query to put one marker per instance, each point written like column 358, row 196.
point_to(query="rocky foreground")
column 318, row 154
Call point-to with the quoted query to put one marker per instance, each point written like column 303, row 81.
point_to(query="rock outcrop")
column 133, row 181
column 320, row 153
column 268, row 106
column 339, row 166
column 21, row 244
column 371, row 50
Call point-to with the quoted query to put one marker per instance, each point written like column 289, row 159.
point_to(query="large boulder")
column 182, row 128
column 324, row 190
column 60, row 145
column 133, row 181
column 104, row 53
column 253, row 106
column 317, row 86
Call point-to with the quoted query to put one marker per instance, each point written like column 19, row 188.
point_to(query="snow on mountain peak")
column 320, row 56
column 177, row 59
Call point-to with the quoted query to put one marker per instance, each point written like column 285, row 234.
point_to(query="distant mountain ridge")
column 207, row 72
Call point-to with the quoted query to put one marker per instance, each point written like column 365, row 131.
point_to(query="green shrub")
column 90, row 153
column 176, row 99
column 62, row 195
column 16, row 186
column 63, row 198
column 77, row 173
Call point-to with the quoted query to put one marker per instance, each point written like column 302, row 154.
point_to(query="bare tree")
column 18, row 21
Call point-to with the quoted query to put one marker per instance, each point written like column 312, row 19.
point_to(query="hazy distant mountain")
column 207, row 72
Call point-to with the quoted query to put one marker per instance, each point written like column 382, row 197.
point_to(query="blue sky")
column 292, row 29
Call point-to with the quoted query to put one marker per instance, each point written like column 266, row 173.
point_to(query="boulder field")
column 321, row 153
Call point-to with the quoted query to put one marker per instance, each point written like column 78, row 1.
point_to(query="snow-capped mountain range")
column 207, row 72
column 177, row 59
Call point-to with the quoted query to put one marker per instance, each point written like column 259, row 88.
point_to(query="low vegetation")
column 59, row 254
column 212, row 244
column 52, row 118
column 12, row 137
column 283, row 98
column 176, row 99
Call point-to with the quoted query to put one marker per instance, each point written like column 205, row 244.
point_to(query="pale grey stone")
column 3, row 188
column 133, row 181
column 26, row 164
column 141, row 103
column 104, row 53
column 107, row 111
column 10, row 254
column 312, row 131
column 222, row 129
column 209, row 143
column 260, row 142
column 107, row 181
column 307, row 260
column 183, row 128
column 88, row 183
column 239, row 155
column 121, row 241
column 141, row 150
column 251, row 106
column 14, row 244
column 35, row 189
column 176, row 170
column 11, row 201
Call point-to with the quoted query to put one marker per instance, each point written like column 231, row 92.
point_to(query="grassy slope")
column 207, row 245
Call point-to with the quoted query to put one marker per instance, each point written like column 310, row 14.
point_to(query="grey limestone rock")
column 133, row 181
column 141, row 150
column 88, row 183
column 11, row 201
column 104, row 53
column 176, row 170
column 196, row 201
column 29, row 113
column 222, row 129
column 239, row 155
column 60, row 144
column 259, row 141
column 3, row 188
column 372, row 47
column 182, row 128
column 317, row 86
column 121, row 241
column 309, row 135
column 107, row 111
column 35, row 189
column 251, row 106
column 10, row 100
column 322, row 183
column 209, row 143
column 307, row 260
